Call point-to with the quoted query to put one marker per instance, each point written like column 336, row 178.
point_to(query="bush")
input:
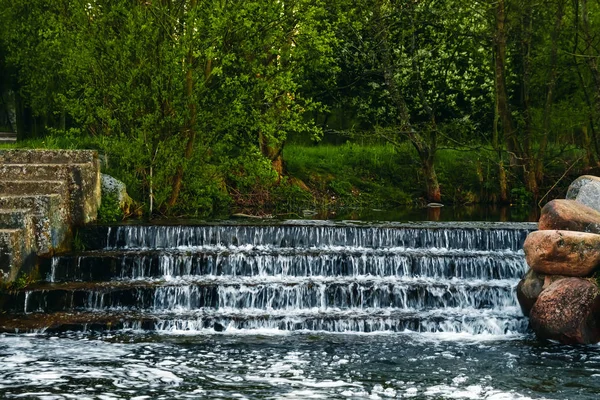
column 110, row 210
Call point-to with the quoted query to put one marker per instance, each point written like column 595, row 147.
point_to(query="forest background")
column 204, row 108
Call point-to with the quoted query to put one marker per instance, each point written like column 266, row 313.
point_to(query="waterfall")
column 292, row 276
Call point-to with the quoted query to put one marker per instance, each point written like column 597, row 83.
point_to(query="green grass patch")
column 353, row 175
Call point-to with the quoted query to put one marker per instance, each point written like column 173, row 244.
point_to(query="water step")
column 229, row 292
column 464, row 321
column 118, row 265
column 83, row 181
column 292, row 275
column 474, row 236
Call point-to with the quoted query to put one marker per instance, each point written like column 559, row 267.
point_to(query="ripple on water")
column 294, row 366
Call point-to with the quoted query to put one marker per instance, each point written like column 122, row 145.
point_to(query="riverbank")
column 324, row 181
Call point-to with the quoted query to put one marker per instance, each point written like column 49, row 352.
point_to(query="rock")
column 586, row 190
column 114, row 187
column 530, row 287
column 569, row 215
column 242, row 215
column 566, row 253
column 528, row 290
column 218, row 327
column 568, row 311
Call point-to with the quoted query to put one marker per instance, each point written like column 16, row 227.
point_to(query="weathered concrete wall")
column 43, row 195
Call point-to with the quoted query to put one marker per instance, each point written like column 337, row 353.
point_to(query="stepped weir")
column 286, row 276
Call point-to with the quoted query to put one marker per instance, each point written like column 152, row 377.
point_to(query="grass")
column 387, row 176
column 355, row 175
column 373, row 176
column 384, row 176
column 49, row 142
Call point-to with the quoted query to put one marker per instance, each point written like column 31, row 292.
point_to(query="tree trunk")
column 274, row 153
column 433, row 187
column 592, row 61
column 587, row 145
column 550, row 85
column 500, row 82
column 501, row 111
column 583, row 84
column 190, row 125
column 426, row 149
column 24, row 119
column 503, row 183
column 528, row 159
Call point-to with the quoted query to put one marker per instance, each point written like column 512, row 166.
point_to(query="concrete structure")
column 8, row 137
column 43, row 195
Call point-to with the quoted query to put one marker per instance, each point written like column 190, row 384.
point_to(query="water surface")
column 299, row 365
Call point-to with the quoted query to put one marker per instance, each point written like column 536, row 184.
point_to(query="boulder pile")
column 560, row 292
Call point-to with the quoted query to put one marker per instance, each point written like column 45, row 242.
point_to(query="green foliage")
column 191, row 102
column 110, row 210
column 78, row 243
column 22, row 281
column 520, row 196
column 595, row 279
column 290, row 199
column 162, row 86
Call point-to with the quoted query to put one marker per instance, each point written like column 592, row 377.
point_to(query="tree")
column 407, row 63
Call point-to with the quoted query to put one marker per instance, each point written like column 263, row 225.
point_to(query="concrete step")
column 8, row 137
column 17, row 252
column 28, row 188
column 14, row 218
column 50, row 215
column 83, row 181
column 43, row 194
column 25, row 156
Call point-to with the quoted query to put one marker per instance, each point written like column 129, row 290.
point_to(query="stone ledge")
column 23, row 156
column 15, row 218
column 17, row 252
column 83, row 182
column 43, row 194
column 23, row 245
column 50, row 219
column 27, row 188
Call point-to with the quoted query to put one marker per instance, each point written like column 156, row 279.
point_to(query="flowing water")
column 288, row 310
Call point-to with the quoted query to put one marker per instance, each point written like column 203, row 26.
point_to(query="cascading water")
column 424, row 311
column 291, row 277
